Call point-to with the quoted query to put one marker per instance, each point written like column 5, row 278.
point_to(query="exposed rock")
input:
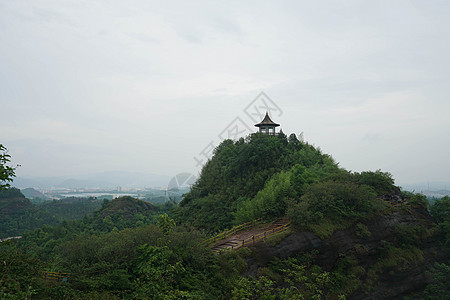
column 395, row 197
column 391, row 283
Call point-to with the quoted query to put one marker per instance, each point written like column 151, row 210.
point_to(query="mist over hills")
column 102, row 180
column 431, row 189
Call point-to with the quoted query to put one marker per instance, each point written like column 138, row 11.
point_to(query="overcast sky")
column 146, row 86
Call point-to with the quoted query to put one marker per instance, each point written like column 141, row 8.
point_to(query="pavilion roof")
column 267, row 122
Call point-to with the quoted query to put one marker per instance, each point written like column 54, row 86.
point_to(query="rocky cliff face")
column 395, row 250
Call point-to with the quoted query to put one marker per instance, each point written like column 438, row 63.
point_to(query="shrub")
column 382, row 182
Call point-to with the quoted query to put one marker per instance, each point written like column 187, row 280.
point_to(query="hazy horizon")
column 145, row 86
column 163, row 181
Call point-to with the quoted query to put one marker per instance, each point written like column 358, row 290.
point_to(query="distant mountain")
column 22, row 183
column 130, row 179
column 103, row 180
column 429, row 185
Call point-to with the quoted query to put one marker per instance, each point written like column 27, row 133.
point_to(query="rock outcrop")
column 391, row 282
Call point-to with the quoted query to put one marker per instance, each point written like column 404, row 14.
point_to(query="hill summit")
column 266, row 176
column 126, row 206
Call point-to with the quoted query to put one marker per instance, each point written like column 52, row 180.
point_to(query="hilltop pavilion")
column 267, row 126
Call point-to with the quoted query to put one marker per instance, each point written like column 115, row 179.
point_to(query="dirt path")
column 234, row 240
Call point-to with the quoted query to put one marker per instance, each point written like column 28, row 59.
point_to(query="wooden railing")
column 55, row 276
column 253, row 239
column 231, row 231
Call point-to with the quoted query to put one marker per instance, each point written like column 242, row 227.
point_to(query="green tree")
column 270, row 202
column 18, row 272
column 166, row 224
column 328, row 206
column 382, row 182
column 7, row 172
column 440, row 209
column 439, row 288
column 159, row 268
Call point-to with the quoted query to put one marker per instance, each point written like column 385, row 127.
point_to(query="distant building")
column 267, row 126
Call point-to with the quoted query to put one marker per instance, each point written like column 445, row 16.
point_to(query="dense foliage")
column 114, row 216
column 71, row 208
column 440, row 210
column 439, row 288
column 332, row 205
column 161, row 261
column 237, row 173
column 271, row 176
column 18, row 214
